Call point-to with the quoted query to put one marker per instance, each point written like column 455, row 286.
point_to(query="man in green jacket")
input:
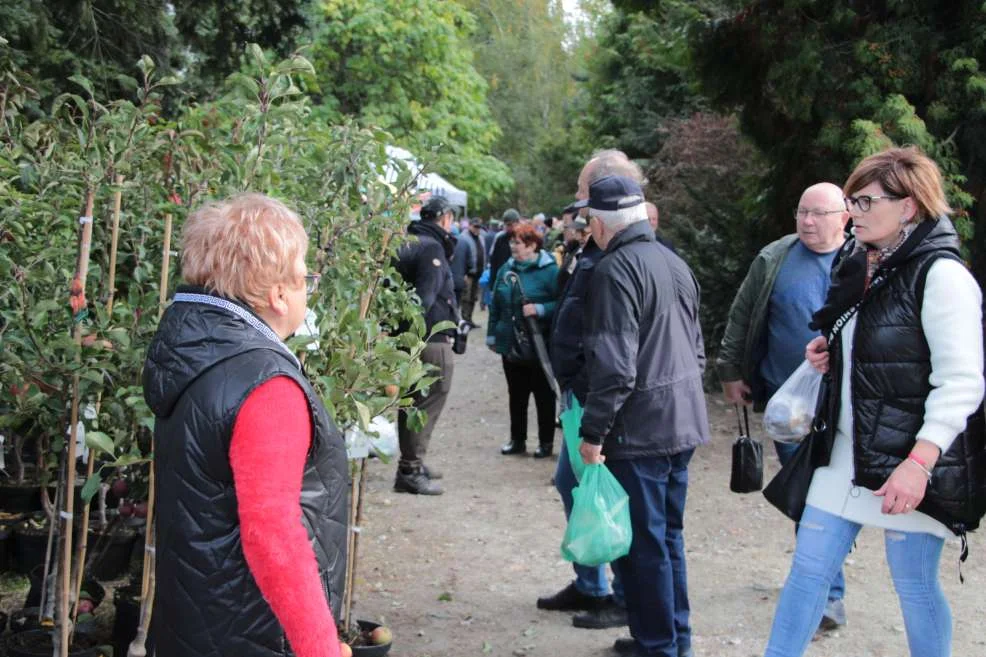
column 767, row 330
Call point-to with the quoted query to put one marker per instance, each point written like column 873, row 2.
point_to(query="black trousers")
column 523, row 379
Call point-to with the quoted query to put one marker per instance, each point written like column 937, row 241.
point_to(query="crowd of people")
column 595, row 307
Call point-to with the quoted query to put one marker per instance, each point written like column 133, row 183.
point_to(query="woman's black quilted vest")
column 891, row 366
column 201, row 366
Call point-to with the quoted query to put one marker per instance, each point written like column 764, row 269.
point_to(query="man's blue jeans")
column 837, row 590
column 590, row 580
column 655, row 581
column 823, row 543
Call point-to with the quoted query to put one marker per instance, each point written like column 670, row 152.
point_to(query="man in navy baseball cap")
column 615, row 202
column 613, row 197
column 638, row 336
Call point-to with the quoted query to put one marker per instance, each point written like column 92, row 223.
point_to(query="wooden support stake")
column 82, row 549
column 114, row 241
column 79, row 283
column 138, row 647
column 358, row 488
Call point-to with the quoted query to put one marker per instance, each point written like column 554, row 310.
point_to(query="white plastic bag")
column 791, row 410
column 383, row 444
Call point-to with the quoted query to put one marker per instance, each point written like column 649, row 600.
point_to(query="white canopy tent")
column 438, row 186
column 431, row 182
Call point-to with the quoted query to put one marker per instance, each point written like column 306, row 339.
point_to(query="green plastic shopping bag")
column 599, row 527
column 571, row 422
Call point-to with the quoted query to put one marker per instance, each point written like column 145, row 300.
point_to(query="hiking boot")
column 570, row 599
column 431, row 473
column 513, row 447
column 607, row 615
column 416, row 482
column 834, row 616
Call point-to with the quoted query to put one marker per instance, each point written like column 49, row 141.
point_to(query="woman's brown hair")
column 903, row 172
column 527, row 234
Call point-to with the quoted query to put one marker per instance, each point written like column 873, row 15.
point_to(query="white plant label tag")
column 309, row 328
column 81, row 450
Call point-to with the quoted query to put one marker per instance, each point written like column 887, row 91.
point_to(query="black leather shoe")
column 625, row 645
column 416, row 483
column 570, row 599
column 543, row 451
column 514, row 448
column 608, row 615
column 431, row 473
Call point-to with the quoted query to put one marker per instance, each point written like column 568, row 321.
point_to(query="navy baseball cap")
column 611, row 194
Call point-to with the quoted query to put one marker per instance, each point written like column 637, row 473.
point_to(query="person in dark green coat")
column 532, row 292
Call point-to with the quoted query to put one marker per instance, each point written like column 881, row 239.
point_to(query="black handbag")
column 788, row 490
column 521, row 342
column 521, row 345
column 747, row 471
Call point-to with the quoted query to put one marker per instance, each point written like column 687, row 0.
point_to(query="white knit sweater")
column 951, row 317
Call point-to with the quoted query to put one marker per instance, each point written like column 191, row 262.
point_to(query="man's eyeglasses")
column 802, row 213
column 311, row 283
column 864, row 202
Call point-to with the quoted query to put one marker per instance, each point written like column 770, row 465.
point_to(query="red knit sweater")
column 268, row 452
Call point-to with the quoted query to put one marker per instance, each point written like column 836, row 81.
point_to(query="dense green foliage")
column 815, row 87
column 640, row 77
column 524, row 50
column 56, row 39
column 821, row 86
column 407, row 67
column 257, row 136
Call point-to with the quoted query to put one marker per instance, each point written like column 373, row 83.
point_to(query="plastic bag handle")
column 746, row 421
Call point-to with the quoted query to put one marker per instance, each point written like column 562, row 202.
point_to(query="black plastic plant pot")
column 91, row 589
column 20, row 498
column 111, row 553
column 366, row 649
column 30, row 543
column 125, row 620
column 33, row 598
column 24, row 620
column 38, row 643
column 7, row 545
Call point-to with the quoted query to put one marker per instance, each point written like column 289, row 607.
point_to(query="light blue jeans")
column 837, row 589
column 824, row 541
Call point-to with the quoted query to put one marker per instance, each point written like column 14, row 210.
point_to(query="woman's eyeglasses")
column 311, row 283
column 864, row 202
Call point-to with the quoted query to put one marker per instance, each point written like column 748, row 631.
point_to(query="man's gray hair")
column 618, row 219
column 612, row 162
